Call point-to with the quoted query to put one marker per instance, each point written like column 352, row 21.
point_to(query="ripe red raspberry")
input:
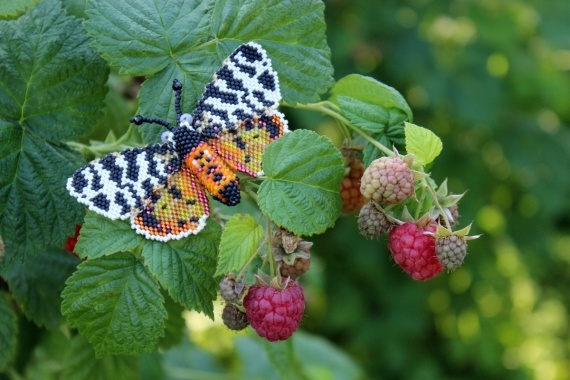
column 234, row 318
column 372, row 222
column 388, row 180
column 414, row 251
column 275, row 314
column 71, row 241
column 451, row 251
column 352, row 198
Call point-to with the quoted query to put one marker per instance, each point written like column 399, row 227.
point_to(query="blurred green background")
column 492, row 79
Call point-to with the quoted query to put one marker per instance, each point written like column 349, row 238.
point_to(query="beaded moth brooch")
column 162, row 188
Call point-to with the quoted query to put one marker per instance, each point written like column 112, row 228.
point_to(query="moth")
column 163, row 187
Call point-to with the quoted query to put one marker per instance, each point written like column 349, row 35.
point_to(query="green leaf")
column 36, row 285
column 101, row 236
column 370, row 90
column 240, row 239
column 422, row 143
column 116, row 304
column 189, row 40
column 186, row 267
column 52, row 86
column 175, row 324
column 370, row 117
column 81, row 363
column 292, row 32
column 143, row 39
column 14, row 8
column 302, row 191
column 282, row 358
column 8, row 331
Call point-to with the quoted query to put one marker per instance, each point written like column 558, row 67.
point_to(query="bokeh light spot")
column 468, row 325
column 498, row 65
column 490, row 220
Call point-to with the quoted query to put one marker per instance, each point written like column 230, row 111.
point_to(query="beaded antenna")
column 163, row 188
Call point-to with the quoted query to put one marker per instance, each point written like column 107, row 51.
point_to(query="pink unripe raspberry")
column 388, row 180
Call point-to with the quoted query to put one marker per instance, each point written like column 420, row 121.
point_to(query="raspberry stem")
column 430, row 188
column 330, row 109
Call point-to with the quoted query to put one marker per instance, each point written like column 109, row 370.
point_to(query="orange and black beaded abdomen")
column 214, row 174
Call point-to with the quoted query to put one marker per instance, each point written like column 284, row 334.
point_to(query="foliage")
column 490, row 80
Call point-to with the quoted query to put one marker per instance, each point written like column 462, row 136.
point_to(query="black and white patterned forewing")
column 119, row 184
column 245, row 86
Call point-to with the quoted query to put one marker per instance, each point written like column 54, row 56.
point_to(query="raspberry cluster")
column 274, row 305
column 422, row 247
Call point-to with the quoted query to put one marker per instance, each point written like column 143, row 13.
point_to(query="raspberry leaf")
column 369, row 90
column 116, row 304
column 8, row 331
column 188, row 40
column 422, row 143
column 175, row 323
column 50, row 90
column 393, row 136
column 282, row 358
column 13, row 8
column 304, row 173
column 369, row 116
column 36, row 285
column 101, row 236
column 240, row 240
column 185, row 268
column 80, row 363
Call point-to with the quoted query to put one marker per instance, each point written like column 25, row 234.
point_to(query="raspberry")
column 372, row 222
column 352, row 198
column 414, row 250
column 234, row 318
column 275, row 314
column 230, row 290
column 451, row 251
column 388, row 180
column 295, row 270
column 71, row 241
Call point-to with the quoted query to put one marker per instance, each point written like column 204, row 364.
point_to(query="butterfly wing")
column 119, row 184
column 174, row 211
column 242, row 148
column 245, row 87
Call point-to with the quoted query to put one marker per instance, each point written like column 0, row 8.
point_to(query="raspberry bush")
column 122, row 296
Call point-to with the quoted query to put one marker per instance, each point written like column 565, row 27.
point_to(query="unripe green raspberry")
column 388, row 180
column 372, row 222
column 451, row 251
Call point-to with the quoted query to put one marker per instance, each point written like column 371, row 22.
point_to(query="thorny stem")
column 420, row 205
column 330, row 109
column 428, row 185
column 269, row 242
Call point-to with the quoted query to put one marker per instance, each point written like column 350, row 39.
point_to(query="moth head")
column 186, row 120
column 167, row 137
